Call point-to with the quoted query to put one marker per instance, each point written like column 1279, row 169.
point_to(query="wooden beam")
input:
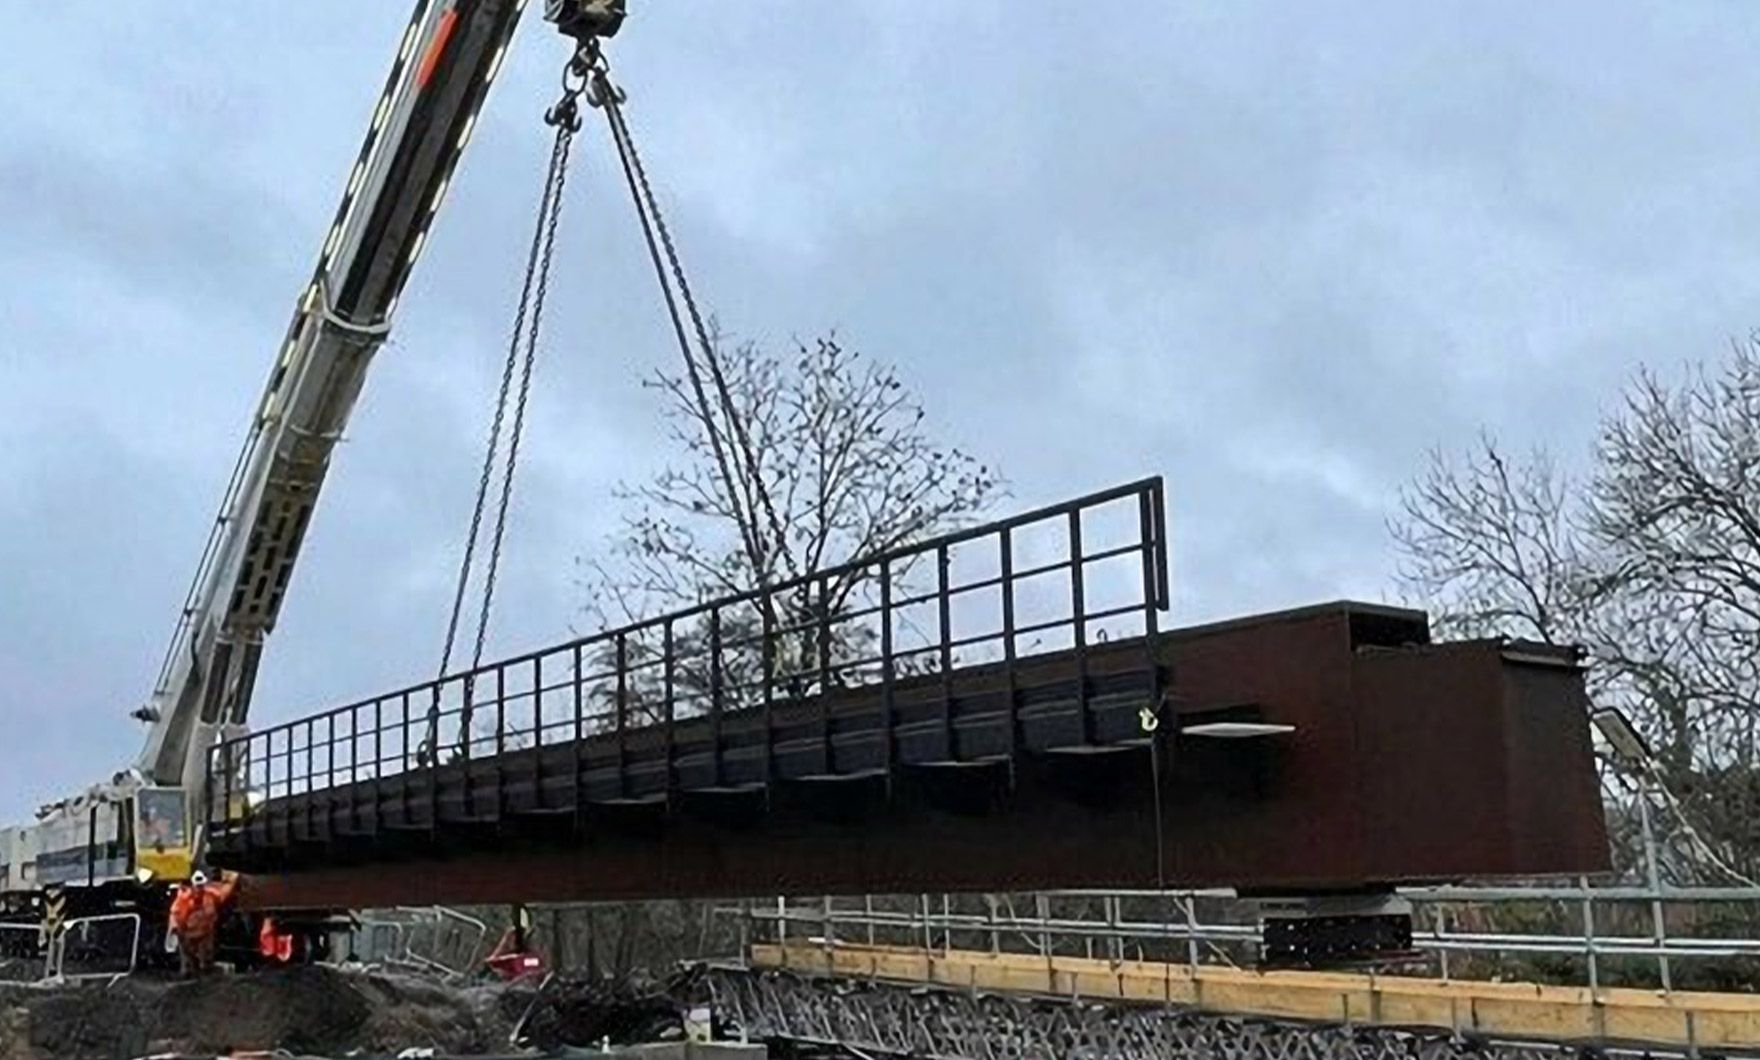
column 1509, row 1010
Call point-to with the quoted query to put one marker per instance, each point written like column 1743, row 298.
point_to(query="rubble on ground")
column 325, row 1012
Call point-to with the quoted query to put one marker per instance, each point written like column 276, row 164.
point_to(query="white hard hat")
column 198, row 877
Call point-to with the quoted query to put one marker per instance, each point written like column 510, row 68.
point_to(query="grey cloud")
column 1272, row 253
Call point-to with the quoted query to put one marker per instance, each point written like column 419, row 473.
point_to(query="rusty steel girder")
column 1328, row 749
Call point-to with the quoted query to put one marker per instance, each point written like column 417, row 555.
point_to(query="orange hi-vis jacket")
column 274, row 944
column 195, row 911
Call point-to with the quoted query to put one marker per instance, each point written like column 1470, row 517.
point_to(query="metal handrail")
column 830, row 921
column 404, row 731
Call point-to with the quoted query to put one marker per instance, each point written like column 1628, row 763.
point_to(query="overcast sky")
column 1273, row 251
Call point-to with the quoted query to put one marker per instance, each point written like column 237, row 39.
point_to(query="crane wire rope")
column 647, row 204
column 606, row 94
column 591, row 78
column 564, row 116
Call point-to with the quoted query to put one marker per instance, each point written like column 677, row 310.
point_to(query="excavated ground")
column 304, row 1011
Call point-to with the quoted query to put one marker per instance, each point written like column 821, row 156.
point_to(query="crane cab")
column 163, row 849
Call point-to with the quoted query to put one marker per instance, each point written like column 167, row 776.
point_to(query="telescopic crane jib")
column 123, row 841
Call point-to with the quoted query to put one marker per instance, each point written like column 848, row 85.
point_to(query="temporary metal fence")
column 1063, row 578
column 95, row 947
column 435, row 940
column 1603, row 930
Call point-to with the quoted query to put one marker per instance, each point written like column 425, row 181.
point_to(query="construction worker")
column 195, row 918
column 274, row 945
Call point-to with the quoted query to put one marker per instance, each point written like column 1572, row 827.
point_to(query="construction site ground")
column 307, row 1011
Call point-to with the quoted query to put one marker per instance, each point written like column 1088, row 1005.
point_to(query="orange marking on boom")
column 431, row 58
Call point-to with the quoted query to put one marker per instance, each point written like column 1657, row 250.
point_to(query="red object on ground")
column 513, row 959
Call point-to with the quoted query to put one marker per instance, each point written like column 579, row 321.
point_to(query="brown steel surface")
column 1409, row 762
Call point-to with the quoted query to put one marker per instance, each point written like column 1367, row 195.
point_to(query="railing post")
column 944, row 614
column 354, row 767
column 1011, row 718
column 578, row 697
column 670, row 692
column 1588, row 906
column 1653, row 879
column 824, row 660
column 1079, row 614
column 434, row 764
column 330, row 776
column 378, row 764
column 767, row 663
column 403, row 755
column 622, row 716
column 1146, row 522
column 538, row 799
column 500, row 760
column 715, row 694
column 888, row 674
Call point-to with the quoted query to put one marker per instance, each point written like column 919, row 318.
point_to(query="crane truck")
column 125, row 844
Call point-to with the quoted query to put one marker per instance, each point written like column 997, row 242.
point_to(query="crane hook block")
column 586, row 20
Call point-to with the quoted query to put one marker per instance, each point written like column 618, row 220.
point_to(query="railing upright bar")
column 1158, row 508
column 827, row 758
column 354, row 769
column 1151, row 612
column 668, row 675
column 434, row 763
column 378, row 764
column 311, row 777
column 944, row 617
column 578, row 745
column 538, row 799
column 330, row 776
column 1079, row 616
column 1011, row 720
column 403, row 757
column 888, row 674
column 500, row 741
column 622, row 716
column 767, row 660
column 715, row 695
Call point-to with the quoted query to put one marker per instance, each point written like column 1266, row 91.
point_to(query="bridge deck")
column 963, row 715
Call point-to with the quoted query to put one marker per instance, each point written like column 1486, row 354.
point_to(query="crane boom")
column 448, row 57
column 134, row 827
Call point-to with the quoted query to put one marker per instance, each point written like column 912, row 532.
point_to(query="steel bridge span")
column 1001, row 708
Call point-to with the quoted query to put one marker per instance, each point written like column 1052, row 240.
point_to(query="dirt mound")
column 312, row 1010
column 584, row 1012
column 301, row 1010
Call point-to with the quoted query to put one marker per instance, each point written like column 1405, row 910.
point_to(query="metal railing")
column 1594, row 926
column 1068, row 577
column 436, row 940
column 95, row 947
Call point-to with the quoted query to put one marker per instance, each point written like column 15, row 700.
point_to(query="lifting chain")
column 745, row 501
column 564, row 117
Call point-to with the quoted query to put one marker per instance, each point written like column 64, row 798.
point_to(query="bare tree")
column 1493, row 544
column 814, row 459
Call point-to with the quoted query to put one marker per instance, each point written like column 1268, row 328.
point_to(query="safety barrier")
column 96, row 947
column 438, row 941
column 1600, row 930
